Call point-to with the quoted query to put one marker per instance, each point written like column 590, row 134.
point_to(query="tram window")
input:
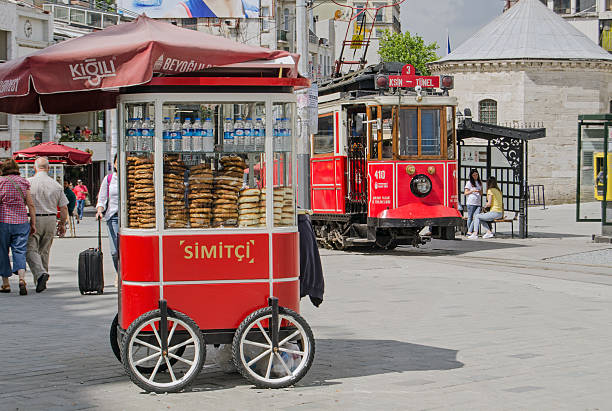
column 323, row 141
column 450, row 132
column 430, row 132
column 409, row 132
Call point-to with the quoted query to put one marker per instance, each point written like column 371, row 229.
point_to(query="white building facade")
column 23, row 30
column 546, row 74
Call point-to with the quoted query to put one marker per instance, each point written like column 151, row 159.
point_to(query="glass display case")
column 216, row 158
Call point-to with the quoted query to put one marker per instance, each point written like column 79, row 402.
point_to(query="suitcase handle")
column 99, row 234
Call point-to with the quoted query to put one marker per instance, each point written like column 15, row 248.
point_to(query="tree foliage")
column 408, row 49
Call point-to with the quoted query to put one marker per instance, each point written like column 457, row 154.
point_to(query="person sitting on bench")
column 496, row 210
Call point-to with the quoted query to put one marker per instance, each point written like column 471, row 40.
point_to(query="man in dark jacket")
column 70, row 196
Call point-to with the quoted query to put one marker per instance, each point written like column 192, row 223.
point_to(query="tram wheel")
column 145, row 369
column 259, row 363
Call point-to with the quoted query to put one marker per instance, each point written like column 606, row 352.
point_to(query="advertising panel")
column 192, row 8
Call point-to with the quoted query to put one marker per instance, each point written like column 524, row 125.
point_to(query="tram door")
column 357, row 195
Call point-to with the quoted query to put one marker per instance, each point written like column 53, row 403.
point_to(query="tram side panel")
column 328, row 184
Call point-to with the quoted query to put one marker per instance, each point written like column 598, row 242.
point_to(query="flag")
column 448, row 47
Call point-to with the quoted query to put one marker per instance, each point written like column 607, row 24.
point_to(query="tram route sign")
column 410, row 79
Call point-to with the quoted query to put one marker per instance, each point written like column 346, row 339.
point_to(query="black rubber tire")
column 145, row 385
column 242, row 328
column 114, row 342
column 114, row 338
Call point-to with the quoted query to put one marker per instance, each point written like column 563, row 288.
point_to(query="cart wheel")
column 259, row 363
column 114, row 337
column 185, row 345
column 114, row 341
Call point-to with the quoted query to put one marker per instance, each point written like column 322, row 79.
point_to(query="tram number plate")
column 379, row 174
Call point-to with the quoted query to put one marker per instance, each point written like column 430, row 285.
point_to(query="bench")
column 506, row 220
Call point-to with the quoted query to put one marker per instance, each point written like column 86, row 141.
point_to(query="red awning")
column 85, row 73
column 72, row 156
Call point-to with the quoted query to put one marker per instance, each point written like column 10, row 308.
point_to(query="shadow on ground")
column 337, row 359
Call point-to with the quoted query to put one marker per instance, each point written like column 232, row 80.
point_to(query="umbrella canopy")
column 72, row 156
column 85, row 73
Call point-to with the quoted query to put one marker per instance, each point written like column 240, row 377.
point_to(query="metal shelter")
column 504, row 156
column 593, row 188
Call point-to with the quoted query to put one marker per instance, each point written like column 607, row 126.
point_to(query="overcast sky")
column 431, row 18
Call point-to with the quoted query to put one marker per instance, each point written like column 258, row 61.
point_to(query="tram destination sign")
column 410, row 79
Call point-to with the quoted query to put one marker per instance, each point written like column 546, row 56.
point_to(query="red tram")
column 383, row 163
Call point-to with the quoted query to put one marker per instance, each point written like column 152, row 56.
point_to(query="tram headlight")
column 420, row 185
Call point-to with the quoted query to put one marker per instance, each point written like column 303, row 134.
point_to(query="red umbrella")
column 72, row 156
column 85, row 73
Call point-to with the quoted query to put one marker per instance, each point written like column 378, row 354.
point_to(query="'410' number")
column 379, row 174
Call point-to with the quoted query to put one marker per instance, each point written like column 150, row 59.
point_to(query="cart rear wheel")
column 259, row 363
column 145, row 366
column 114, row 337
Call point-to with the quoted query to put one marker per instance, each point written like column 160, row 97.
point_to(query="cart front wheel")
column 263, row 365
column 144, row 361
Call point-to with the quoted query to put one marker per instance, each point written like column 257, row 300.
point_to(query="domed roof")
column 529, row 30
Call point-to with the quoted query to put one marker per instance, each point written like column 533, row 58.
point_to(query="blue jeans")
column 15, row 237
column 472, row 209
column 80, row 207
column 113, row 229
column 485, row 218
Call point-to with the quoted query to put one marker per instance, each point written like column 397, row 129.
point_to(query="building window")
column 586, row 6
column 487, row 111
column 358, row 8
column 562, row 6
column 286, row 19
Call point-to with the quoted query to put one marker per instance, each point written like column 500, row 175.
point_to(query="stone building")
column 530, row 66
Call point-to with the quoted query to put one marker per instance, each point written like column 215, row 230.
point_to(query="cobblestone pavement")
column 493, row 324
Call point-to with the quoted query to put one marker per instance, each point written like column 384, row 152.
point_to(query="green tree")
column 408, row 49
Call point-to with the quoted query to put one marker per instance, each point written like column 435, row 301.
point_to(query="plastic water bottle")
column 197, row 135
column 166, row 137
column 260, row 134
column 288, row 137
column 186, row 134
column 137, row 126
column 208, row 140
column 249, row 140
column 131, row 135
column 228, row 135
column 277, row 135
column 238, row 135
column 175, row 133
column 147, row 131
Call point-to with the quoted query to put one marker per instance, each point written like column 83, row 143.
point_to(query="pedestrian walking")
column 48, row 196
column 495, row 204
column 473, row 199
column 15, row 203
column 80, row 190
column 108, row 208
column 70, row 196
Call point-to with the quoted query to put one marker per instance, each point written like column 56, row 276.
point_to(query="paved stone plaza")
column 499, row 324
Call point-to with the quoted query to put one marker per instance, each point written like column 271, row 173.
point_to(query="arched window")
column 487, row 111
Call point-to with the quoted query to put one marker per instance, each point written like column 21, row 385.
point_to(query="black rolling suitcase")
column 91, row 275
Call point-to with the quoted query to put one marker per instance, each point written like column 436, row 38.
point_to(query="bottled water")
column 175, row 133
column 238, row 135
column 208, row 142
column 249, row 140
column 131, row 135
column 166, row 137
column 259, row 130
column 137, row 126
column 197, row 135
column 228, row 135
column 278, row 138
column 147, row 131
column 288, row 138
column 186, row 134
